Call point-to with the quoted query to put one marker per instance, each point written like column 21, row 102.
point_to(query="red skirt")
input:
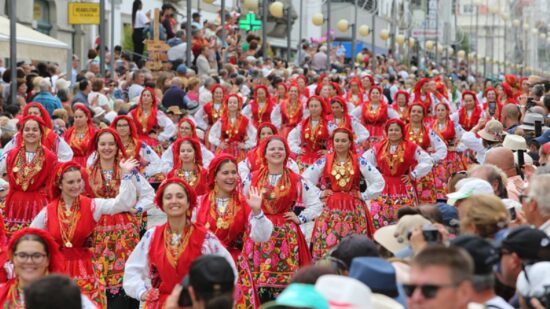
column 395, row 195
column 425, row 189
column 115, row 237
column 21, row 208
column 80, row 268
column 307, row 158
column 344, row 214
column 443, row 170
column 376, row 134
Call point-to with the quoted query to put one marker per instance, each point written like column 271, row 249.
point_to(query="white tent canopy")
column 33, row 45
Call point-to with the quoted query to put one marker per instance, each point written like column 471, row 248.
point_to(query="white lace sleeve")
column 314, row 172
column 200, row 116
column 276, row 118
column 370, row 155
column 361, row 133
column 260, row 227
column 356, row 112
column 168, row 159
column 392, row 113
column 295, row 139
column 145, row 192
column 424, row 165
column 247, row 112
column 207, row 156
column 293, row 166
column 440, row 149
column 64, row 151
column 215, row 133
column 167, row 125
column 244, row 168
column 39, row 222
column 375, row 181
column 251, row 133
column 136, row 279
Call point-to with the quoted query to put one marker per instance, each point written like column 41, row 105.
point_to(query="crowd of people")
column 257, row 183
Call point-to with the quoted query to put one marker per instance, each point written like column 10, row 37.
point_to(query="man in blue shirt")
column 46, row 98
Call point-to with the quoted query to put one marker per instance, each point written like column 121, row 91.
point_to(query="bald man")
column 510, row 117
column 504, row 159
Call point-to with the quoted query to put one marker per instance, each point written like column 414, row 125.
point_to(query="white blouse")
column 423, row 167
column 216, row 132
column 168, row 158
column 375, row 181
column 124, row 201
column 201, row 118
column 361, row 133
column 277, row 116
column 137, row 278
column 153, row 164
column 169, row 128
column 64, row 151
column 310, row 197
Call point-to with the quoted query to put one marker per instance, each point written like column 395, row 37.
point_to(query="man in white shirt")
column 536, row 202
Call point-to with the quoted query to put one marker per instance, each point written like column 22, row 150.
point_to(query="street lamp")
column 318, row 20
column 278, row 10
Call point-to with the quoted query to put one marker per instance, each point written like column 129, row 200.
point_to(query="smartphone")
column 513, row 214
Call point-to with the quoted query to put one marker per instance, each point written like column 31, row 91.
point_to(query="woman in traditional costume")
column 72, row 217
column 186, row 128
column 164, row 254
column 233, row 133
column 281, row 95
column 50, row 139
column 273, row 263
column 34, row 254
column 259, row 109
column 469, row 113
column 456, row 140
column 373, row 115
column 208, row 114
column 355, row 93
column 81, row 133
column 424, row 94
column 188, row 164
column 340, row 118
column 423, row 136
column 116, row 235
column 401, row 104
column 287, row 115
column 152, row 125
column 308, row 140
column 339, row 176
column 401, row 163
column 29, row 166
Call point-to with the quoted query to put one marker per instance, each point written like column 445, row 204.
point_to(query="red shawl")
column 145, row 126
column 379, row 117
column 467, row 123
column 331, row 179
column 315, row 139
column 448, row 134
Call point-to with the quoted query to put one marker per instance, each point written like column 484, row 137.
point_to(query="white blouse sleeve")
column 424, row 163
column 244, row 168
column 356, row 112
column 199, row 117
column 207, row 157
column 454, row 117
column 145, row 192
column 124, row 201
column 215, row 133
column 312, row 203
column 91, row 159
column 375, row 181
column 260, row 227
column 39, row 222
column 251, row 133
column 276, row 118
column 370, row 155
column 314, row 172
column 169, row 129
column 293, row 166
column 361, row 133
column 471, row 141
column 3, row 163
column 11, row 144
column 168, row 159
column 212, row 245
column 440, row 149
column 247, row 112
column 295, row 139
column 136, row 279
column 64, row 151
column 154, row 163
column 392, row 113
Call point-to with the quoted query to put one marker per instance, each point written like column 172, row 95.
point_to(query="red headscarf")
column 191, row 195
column 226, row 102
column 216, row 86
column 371, row 79
column 346, row 118
column 466, row 122
column 22, row 122
column 144, row 126
column 57, row 177
column 350, row 135
column 57, row 261
column 379, row 90
column 118, row 141
column 215, row 165
column 326, row 109
column 337, row 88
column 265, row 142
column 401, row 92
column 196, row 145
column 267, row 94
column 86, row 110
column 397, row 121
column 266, row 125
column 131, row 124
column 193, row 127
column 45, row 116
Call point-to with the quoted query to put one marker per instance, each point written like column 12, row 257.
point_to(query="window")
column 41, row 14
column 468, row 9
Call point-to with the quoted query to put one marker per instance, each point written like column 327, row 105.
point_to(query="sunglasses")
column 428, row 290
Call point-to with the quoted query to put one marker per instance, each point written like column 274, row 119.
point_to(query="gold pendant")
column 338, row 176
column 68, row 244
column 207, row 225
column 282, row 188
column 219, row 223
column 342, row 182
column 333, row 173
column 272, row 195
column 15, row 169
column 307, row 135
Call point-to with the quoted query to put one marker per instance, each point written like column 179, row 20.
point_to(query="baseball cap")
column 469, row 187
column 543, row 139
column 211, row 273
column 449, row 214
column 299, row 295
column 344, row 292
column 534, row 280
column 395, row 237
column 484, row 254
column 181, row 69
column 531, row 245
column 493, row 131
column 352, row 246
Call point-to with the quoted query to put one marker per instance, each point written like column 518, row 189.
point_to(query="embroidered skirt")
column 80, row 268
column 395, row 195
column 21, row 208
column 444, row 170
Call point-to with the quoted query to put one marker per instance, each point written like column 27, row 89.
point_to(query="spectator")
column 138, row 82
column 536, row 202
column 319, row 60
column 503, row 158
column 494, row 175
column 203, row 63
column 174, row 96
column 85, row 87
column 53, row 292
column 139, row 23
column 440, row 278
column 46, row 98
column 510, row 117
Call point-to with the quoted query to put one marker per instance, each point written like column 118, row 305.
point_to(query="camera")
column 492, row 108
column 431, row 234
column 530, row 103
